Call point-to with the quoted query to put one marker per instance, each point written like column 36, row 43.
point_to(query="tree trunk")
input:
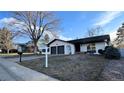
column 7, row 51
column 35, row 47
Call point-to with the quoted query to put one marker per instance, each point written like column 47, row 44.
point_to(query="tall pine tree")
column 120, row 36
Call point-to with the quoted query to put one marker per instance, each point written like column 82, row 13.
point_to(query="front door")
column 77, row 47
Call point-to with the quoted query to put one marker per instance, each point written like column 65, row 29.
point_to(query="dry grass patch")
column 72, row 67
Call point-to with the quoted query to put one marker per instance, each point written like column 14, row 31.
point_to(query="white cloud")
column 11, row 23
column 106, row 18
column 7, row 20
column 64, row 38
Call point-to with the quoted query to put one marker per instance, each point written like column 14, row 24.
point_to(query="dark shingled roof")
column 91, row 39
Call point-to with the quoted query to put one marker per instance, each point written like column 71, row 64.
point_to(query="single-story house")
column 58, row 46
column 89, row 44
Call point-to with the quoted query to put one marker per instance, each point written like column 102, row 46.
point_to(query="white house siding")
column 65, row 44
column 100, row 45
column 67, row 51
column 83, row 47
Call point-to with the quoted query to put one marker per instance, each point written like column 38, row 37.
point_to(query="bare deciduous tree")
column 95, row 31
column 34, row 23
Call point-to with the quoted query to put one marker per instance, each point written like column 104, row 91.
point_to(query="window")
column 91, row 48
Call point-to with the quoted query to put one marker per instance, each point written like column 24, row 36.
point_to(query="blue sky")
column 75, row 24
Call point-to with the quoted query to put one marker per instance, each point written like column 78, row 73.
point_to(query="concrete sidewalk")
column 13, row 71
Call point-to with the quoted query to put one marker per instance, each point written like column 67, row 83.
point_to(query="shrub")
column 112, row 53
column 13, row 50
column 100, row 51
column 4, row 50
column 107, row 47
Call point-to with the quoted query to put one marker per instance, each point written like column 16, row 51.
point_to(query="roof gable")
column 57, row 40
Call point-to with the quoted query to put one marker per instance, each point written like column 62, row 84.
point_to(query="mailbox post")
column 44, row 43
column 20, row 53
column 46, row 53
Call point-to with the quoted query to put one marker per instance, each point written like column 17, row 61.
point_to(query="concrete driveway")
column 5, row 75
column 11, row 71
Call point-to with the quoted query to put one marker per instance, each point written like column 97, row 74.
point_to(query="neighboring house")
column 30, row 47
column 26, row 47
column 89, row 44
column 23, row 46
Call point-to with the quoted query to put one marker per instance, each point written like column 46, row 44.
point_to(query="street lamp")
column 20, row 53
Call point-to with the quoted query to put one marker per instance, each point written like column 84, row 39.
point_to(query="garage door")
column 60, row 49
column 53, row 50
